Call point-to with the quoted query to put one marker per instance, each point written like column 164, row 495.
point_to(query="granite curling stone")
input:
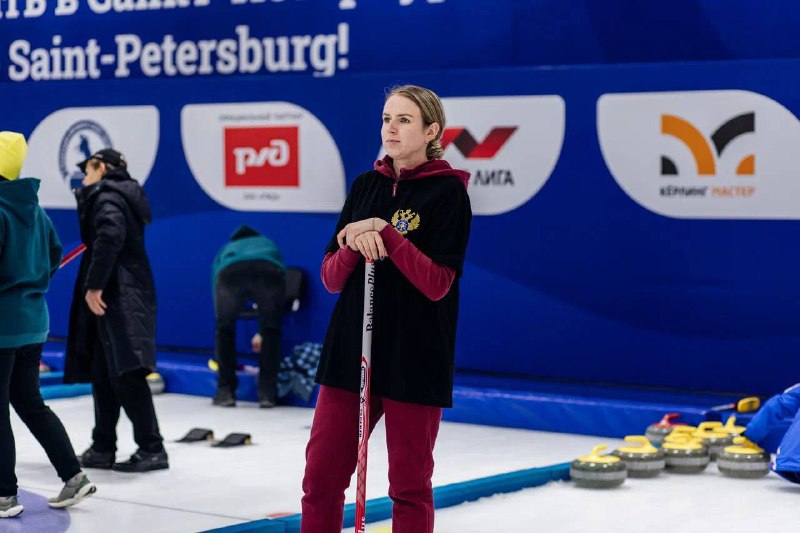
column 743, row 459
column 643, row 460
column 597, row 471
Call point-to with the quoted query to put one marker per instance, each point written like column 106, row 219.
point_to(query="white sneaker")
column 75, row 491
column 10, row 506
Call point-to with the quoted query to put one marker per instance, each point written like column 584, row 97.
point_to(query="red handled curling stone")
column 656, row 432
column 644, row 460
column 595, row 471
column 683, row 453
column 714, row 437
column 743, row 460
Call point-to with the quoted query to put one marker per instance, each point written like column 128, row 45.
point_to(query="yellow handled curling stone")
column 731, row 427
column 643, row 460
column 595, row 471
column 683, row 453
column 714, row 437
column 743, row 460
column 155, row 382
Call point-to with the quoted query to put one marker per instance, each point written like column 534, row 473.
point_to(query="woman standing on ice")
column 412, row 209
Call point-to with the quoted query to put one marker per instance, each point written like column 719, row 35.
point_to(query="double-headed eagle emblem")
column 405, row 220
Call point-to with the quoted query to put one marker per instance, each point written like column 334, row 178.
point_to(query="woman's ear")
column 433, row 130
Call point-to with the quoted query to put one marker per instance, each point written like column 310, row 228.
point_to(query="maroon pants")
column 331, row 457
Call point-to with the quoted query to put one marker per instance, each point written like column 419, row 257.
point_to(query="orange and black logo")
column 702, row 152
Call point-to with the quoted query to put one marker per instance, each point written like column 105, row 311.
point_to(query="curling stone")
column 656, row 432
column 684, row 455
column 731, row 427
column 681, row 433
column 713, row 437
column 155, row 382
column 743, row 460
column 597, row 471
column 643, row 460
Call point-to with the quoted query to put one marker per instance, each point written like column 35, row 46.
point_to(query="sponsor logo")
column 261, row 157
column 701, row 149
column 68, row 136
column 705, row 155
column 462, row 139
column 521, row 143
column 82, row 139
column 702, row 154
column 250, row 157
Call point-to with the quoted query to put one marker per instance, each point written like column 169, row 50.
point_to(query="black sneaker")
column 224, row 398
column 267, row 397
column 143, row 461
column 94, row 459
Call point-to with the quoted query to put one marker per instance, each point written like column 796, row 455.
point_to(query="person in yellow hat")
column 30, row 253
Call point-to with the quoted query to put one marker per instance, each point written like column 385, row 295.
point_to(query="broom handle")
column 72, row 255
column 363, row 409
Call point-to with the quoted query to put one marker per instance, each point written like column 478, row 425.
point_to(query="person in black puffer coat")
column 112, row 323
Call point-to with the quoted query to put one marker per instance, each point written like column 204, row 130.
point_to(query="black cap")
column 106, row 155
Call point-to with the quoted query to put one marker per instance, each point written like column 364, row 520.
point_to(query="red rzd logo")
column 262, row 157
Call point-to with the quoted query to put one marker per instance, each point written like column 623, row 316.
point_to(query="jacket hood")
column 20, row 197
column 430, row 168
column 119, row 181
column 244, row 231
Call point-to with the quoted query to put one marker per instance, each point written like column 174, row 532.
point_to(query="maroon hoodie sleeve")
column 337, row 267
column 431, row 279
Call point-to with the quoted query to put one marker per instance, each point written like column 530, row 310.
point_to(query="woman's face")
column 403, row 132
column 94, row 172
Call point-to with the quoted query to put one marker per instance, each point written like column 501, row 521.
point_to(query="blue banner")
column 633, row 222
column 62, row 40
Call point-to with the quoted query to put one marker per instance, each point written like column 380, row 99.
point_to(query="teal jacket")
column 30, row 253
column 246, row 244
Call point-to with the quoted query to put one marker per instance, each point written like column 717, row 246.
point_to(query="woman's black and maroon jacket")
column 416, row 289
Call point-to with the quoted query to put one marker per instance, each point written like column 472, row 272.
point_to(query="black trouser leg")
column 268, row 293
column 229, row 300
column 133, row 393
column 41, row 421
column 106, row 405
column 8, row 452
column 225, row 344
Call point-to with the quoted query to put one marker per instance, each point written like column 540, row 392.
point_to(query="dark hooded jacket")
column 413, row 342
column 29, row 255
column 112, row 215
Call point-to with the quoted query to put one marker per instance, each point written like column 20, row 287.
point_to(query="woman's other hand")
column 371, row 246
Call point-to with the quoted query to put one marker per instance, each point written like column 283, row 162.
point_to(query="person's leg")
column 106, row 406
column 41, row 421
column 268, row 294
column 8, row 452
column 134, row 394
column 228, row 302
column 411, row 431
column 331, row 457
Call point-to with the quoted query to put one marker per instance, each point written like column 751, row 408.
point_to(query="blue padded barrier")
column 54, row 392
column 545, row 405
column 602, row 410
column 51, row 378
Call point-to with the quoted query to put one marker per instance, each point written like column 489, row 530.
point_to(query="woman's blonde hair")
column 432, row 111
